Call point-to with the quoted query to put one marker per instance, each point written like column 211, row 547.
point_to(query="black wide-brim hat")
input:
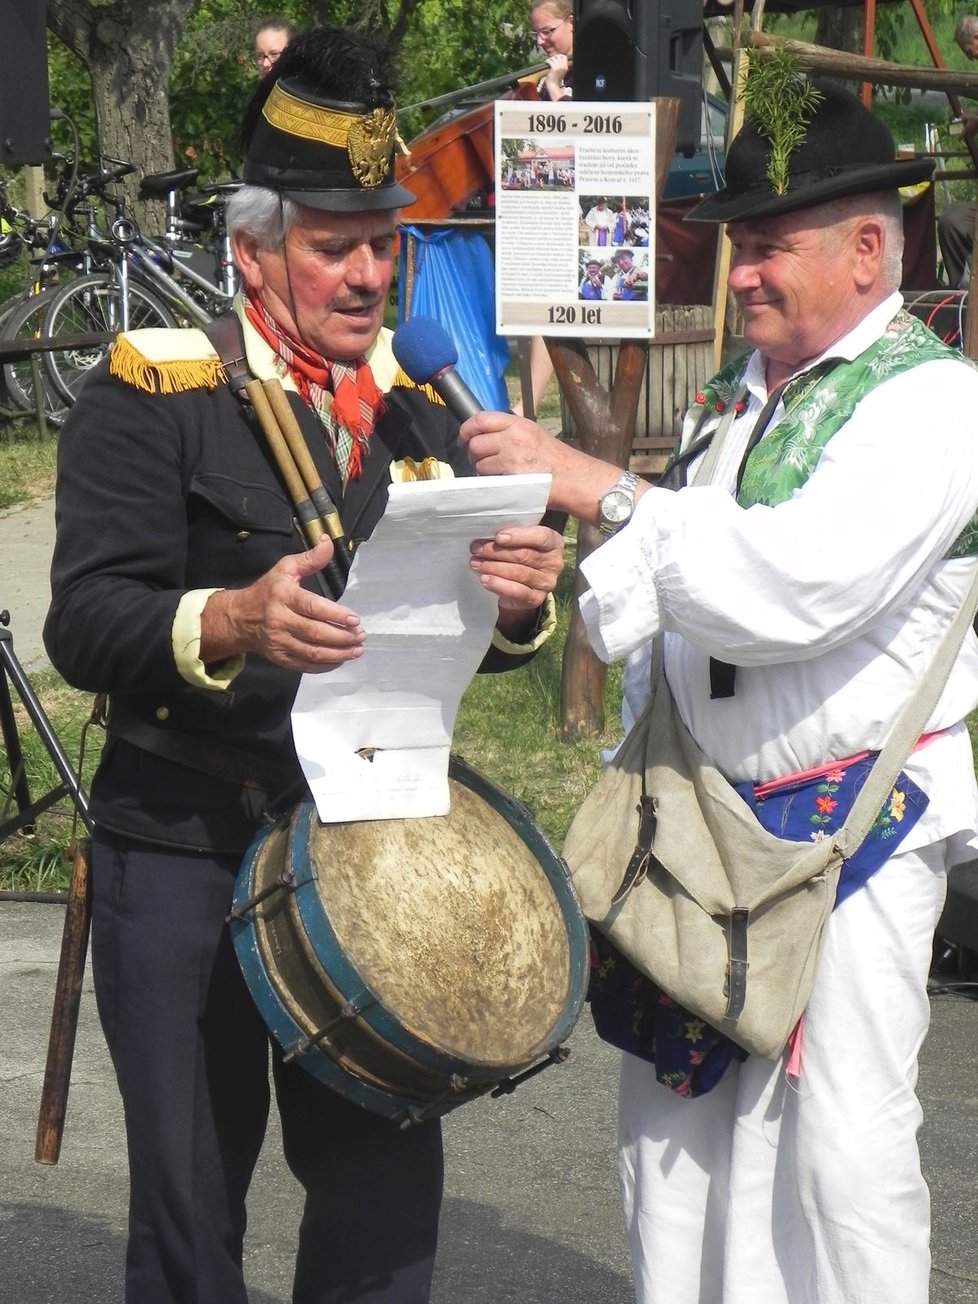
column 325, row 154
column 845, row 151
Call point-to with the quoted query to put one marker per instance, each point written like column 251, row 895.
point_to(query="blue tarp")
column 453, row 282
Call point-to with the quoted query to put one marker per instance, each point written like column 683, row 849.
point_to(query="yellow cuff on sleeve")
column 546, row 624
column 185, row 638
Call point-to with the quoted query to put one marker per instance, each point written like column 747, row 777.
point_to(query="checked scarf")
column 343, row 395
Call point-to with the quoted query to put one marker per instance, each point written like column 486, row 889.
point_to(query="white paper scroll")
column 373, row 736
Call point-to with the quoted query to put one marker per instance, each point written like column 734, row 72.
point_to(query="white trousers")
column 769, row 1190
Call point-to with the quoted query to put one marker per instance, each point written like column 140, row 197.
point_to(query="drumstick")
column 309, row 519
column 325, row 508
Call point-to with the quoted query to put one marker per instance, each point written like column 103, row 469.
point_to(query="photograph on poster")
column 608, row 220
column 614, row 275
column 596, row 269
column 630, row 279
column 528, row 165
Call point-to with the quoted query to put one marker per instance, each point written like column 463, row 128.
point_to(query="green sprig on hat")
column 781, row 102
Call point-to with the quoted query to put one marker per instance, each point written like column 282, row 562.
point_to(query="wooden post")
column 735, row 118
column 64, row 1017
column 869, row 33
column 34, row 191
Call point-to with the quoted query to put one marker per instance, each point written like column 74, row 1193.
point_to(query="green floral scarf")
column 817, row 405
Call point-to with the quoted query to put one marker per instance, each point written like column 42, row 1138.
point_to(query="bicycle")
column 143, row 285
column 22, row 316
column 196, row 223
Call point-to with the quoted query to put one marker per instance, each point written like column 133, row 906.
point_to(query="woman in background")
column 553, row 30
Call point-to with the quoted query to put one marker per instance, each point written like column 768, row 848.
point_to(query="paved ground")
column 26, row 535
column 531, row 1214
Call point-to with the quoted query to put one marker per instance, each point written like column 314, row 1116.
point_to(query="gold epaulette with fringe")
column 403, row 381
column 161, row 361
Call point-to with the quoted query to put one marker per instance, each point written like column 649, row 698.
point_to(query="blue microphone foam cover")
column 423, row 348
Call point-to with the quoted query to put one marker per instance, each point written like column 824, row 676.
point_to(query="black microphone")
column 425, row 351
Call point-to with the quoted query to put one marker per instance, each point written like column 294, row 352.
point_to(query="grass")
column 26, row 465
column 36, row 861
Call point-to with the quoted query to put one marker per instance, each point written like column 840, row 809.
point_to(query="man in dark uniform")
column 181, row 588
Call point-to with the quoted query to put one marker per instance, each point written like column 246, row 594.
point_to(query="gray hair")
column 886, row 205
column 966, row 30
column 263, row 214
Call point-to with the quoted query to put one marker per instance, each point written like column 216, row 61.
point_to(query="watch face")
column 616, row 506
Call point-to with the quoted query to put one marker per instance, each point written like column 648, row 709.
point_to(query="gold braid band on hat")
column 368, row 137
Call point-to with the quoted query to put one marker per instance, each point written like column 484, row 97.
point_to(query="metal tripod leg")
column 70, row 786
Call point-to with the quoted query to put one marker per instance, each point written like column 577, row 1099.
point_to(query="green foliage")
column 13, row 277
column 453, row 44
column 896, row 23
column 781, row 103
column 71, row 91
column 210, row 83
column 213, row 76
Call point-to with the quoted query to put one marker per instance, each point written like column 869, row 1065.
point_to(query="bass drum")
column 412, row 965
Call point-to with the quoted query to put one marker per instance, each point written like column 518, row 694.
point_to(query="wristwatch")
column 616, row 506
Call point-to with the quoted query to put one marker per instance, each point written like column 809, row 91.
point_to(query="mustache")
column 356, row 303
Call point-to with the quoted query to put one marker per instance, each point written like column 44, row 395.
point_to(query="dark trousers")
column 191, row 1056
column 956, row 234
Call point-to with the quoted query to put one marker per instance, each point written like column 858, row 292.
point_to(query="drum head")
column 451, row 923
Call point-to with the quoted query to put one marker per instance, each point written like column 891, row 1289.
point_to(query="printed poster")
column 575, row 219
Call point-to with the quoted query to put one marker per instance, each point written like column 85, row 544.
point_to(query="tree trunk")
column 583, row 675
column 127, row 48
column 840, row 27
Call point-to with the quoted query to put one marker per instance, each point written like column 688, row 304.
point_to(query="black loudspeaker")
column 638, row 49
column 25, row 114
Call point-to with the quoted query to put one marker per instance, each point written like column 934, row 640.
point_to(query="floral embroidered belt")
column 812, row 806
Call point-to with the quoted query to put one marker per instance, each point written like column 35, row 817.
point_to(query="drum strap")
column 206, row 755
column 227, row 337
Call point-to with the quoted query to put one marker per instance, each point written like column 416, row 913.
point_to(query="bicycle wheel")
column 92, row 305
column 25, row 322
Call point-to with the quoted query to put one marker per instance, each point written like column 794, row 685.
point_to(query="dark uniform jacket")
column 159, row 494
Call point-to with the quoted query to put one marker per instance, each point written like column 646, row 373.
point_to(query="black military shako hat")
column 317, row 149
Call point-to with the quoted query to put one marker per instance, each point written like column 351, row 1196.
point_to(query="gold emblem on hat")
column 369, row 146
